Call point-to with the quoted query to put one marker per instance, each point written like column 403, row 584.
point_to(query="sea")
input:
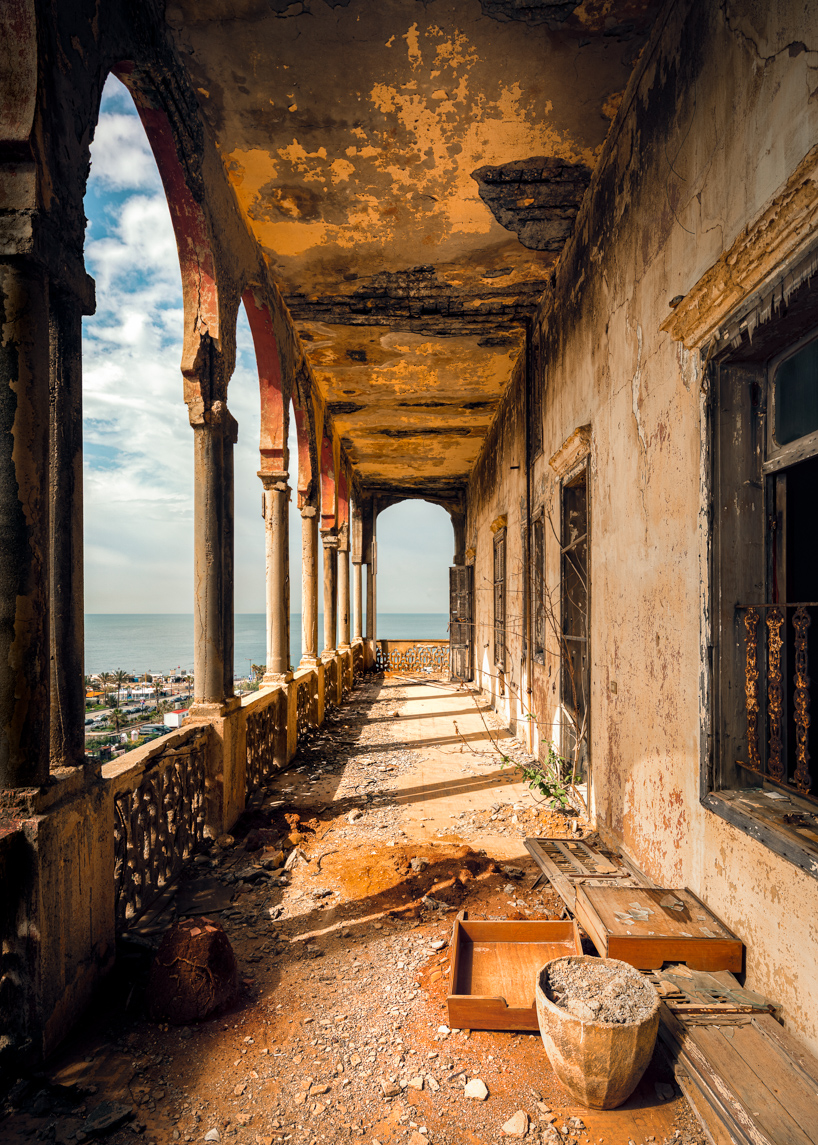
column 161, row 642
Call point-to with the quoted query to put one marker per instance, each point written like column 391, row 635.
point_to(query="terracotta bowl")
column 599, row 1063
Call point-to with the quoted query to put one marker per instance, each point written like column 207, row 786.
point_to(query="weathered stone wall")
column 716, row 119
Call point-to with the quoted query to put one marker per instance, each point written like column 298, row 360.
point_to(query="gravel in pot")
column 598, row 1021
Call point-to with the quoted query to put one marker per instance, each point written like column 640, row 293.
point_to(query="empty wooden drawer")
column 495, row 967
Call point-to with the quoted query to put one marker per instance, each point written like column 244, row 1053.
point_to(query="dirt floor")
column 397, row 814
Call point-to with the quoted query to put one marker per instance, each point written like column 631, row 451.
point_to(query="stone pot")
column 599, row 1063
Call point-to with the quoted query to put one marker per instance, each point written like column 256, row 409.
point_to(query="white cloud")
column 138, row 491
column 121, row 157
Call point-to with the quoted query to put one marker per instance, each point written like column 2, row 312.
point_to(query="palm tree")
column 105, row 680
column 119, row 679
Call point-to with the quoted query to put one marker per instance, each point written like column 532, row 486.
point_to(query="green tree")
column 105, row 680
column 119, row 679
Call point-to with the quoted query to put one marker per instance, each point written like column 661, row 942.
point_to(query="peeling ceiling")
column 412, row 170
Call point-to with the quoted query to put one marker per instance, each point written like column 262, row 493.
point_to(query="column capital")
column 308, row 511
column 329, row 539
column 277, row 481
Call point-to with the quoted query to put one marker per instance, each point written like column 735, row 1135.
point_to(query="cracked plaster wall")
column 722, row 111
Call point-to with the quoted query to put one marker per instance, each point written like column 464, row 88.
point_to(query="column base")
column 210, row 711
column 276, row 679
column 309, row 661
column 329, row 654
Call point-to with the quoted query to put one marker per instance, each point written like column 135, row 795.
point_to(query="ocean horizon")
column 161, row 642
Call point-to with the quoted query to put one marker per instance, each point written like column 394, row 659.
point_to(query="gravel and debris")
column 596, row 992
column 340, row 1032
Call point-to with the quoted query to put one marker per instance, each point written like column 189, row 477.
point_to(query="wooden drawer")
column 494, row 970
column 693, row 934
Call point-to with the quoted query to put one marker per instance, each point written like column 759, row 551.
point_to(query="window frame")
column 499, row 626
column 538, row 587
column 740, row 434
column 570, row 480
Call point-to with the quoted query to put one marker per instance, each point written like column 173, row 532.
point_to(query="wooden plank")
column 708, row 1117
column 560, row 882
column 571, row 857
column 789, row 1085
column 768, row 1114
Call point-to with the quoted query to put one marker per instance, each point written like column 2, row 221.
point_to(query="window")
column 500, row 598
column 538, row 586
column 762, row 771
column 574, row 597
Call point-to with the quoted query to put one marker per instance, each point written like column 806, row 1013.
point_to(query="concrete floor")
column 345, row 965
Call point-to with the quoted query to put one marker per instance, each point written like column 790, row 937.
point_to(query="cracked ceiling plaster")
column 411, row 171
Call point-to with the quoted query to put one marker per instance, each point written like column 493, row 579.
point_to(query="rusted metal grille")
column 777, row 692
column 430, row 659
column 304, row 708
column 500, row 598
column 157, row 826
column 263, row 727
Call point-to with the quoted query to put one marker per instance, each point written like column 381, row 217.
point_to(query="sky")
column 138, row 495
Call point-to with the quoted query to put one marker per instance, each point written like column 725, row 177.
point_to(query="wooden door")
column 461, row 596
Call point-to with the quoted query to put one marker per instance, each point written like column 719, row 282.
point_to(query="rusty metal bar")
column 775, row 693
column 751, row 688
column 801, row 622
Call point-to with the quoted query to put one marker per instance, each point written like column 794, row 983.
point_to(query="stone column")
column 276, row 531
column 357, row 572
column 343, row 590
column 24, row 527
column 330, row 540
column 213, row 438
column 371, row 600
column 66, row 535
column 309, row 585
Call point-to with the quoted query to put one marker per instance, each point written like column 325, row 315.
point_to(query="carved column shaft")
column 24, row 526
column 357, row 574
column 330, row 591
column 309, row 585
column 276, row 529
column 213, row 439
column 66, row 578
column 343, row 593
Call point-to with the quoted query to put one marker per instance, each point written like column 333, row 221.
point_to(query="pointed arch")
column 275, row 411
column 329, row 506
column 196, row 259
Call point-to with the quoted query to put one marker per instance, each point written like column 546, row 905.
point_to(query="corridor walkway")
column 396, row 814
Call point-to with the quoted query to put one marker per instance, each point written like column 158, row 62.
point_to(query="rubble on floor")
column 341, row 934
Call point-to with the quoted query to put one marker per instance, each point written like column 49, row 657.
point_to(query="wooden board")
column 758, row 1082
column 686, row 991
column 693, row 935
column 567, row 863
column 494, row 971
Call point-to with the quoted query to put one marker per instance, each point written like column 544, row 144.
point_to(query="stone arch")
column 329, row 491
column 306, row 436
column 203, row 327
column 454, row 504
column 275, row 404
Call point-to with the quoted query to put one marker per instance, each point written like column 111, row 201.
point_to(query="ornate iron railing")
column 305, row 716
column 158, row 823
column 429, row 657
column 263, row 729
column 777, row 692
column 330, row 684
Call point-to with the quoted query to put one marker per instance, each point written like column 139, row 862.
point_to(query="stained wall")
column 718, row 116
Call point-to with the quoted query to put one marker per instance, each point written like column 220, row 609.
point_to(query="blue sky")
column 138, row 442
